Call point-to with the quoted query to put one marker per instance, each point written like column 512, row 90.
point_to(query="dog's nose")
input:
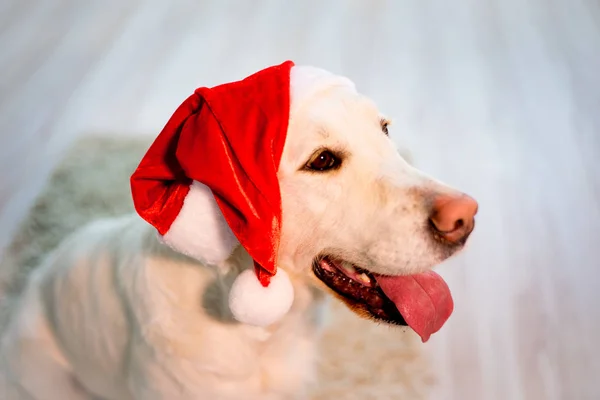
column 453, row 216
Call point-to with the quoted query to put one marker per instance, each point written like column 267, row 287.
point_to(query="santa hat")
column 209, row 181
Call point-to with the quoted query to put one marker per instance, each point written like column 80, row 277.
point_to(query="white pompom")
column 253, row 304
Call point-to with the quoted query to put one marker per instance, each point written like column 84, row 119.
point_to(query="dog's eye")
column 384, row 126
column 323, row 161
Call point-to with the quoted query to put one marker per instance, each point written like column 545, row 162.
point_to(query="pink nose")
column 453, row 217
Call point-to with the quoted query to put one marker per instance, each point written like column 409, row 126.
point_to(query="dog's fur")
column 112, row 313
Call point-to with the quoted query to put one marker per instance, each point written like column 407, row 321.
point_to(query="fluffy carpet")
column 359, row 359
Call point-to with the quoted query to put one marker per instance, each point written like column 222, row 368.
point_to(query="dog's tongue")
column 424, row 300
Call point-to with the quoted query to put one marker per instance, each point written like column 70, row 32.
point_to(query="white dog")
column 114, row 313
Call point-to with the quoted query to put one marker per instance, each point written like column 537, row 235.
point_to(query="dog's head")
column 355, row 216
column 348, row 193
column 354, row 211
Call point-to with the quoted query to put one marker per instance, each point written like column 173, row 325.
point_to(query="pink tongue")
column 424, row 300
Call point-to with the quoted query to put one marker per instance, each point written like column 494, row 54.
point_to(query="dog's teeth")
column 365, row 278
column 348, row 268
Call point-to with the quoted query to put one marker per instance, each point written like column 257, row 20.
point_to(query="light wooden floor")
column 498, row 97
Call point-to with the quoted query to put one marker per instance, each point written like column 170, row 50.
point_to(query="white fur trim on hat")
column 253, row 304
column 200, row 230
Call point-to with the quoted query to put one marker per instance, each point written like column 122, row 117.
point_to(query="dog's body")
column 117, row 312
column 113, row 313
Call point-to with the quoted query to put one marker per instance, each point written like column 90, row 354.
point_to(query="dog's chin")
column 357, row 289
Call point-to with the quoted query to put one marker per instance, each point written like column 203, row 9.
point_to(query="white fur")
column 253, row 304
column 306, row 81
column 113, row 313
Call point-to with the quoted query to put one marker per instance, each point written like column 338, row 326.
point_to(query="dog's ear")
column 200, row 229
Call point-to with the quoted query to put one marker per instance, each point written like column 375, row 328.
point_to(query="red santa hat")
column 209, row 181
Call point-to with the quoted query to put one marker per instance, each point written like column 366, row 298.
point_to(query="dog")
column 114, row 313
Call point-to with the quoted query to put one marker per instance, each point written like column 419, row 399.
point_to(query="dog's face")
column 356, row 217
column 353, row 208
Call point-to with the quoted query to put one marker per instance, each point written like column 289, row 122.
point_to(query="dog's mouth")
column 359, row 287
column 421, row 301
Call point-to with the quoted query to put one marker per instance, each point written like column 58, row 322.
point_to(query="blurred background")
column 500, row 98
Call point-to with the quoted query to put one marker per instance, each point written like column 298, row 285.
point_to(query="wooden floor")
column 498, row 97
